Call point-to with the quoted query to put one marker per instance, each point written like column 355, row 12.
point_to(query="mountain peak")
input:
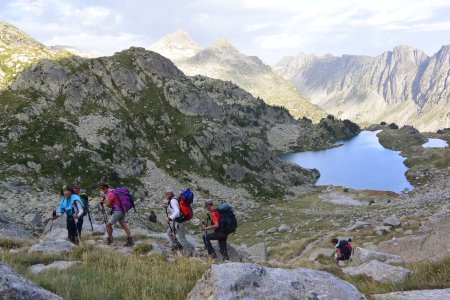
column 10, row 34
column 177, row 45
column 222, row 43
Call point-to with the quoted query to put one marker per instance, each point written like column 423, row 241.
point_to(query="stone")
column 52, row 246
column 258, row 252
column 57, row 265
column 408, row 232
column 284, row 228
column 260, row 233
column 358, row 225
column 392, row 221
column 379, row 271
column 414, row 295
column 14, row 286
column 272, row 230
column 252, row 281
column 327, row 252
column 362, row 255
column 382, row 229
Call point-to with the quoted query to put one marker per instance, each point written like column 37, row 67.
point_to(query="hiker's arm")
column 79, row 208
column 339, row 252
column 176, row 209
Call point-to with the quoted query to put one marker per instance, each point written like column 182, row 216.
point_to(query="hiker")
column 219, row 233
column 111, row 199
column 72, row 205
column 177, row 226
column 343, row 249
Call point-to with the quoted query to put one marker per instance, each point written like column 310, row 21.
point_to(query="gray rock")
column 260, row 233
column 234, row 253
column 379, row 271
column 361, row 256
column 57, row 265
column 327, row 252
column 52, row 246
column 271, row 230
column 14, row 286
column 358, row 225
column 258, row 252
column 414, row 295
column 252, row 281
column 380, row 230
column 408, row 232
column 392, row 221
column 284, row 228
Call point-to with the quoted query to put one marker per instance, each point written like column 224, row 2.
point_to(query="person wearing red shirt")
column 218, row 233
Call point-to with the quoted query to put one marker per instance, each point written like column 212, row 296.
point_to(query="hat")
column 209, row 202
column 66, row 187
column 169, row 189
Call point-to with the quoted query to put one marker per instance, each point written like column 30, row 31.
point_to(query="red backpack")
column 185, row 200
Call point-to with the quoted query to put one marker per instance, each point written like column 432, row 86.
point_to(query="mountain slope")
column 222, row 61
column 403, row 86
column 135, row 119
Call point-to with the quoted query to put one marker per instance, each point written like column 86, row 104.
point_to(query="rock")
column 234, row 253
column 260, row 233
column 284, row 228
column 58, row 265
column 361, row 256
column 272, row 230
column 414, row 295
column 258, row 252
column 52, row 246
column 327, row 252
column 358, row 225
column 392, row 221
column 380, row 230
column 411, row 248
column 14, row 286
column 408, row 232
column 379, row 271
column 252, row 281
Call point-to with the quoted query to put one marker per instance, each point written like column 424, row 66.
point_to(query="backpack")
column 346, row 248
column 228, row 222
column 125, row 198
column 185, row 200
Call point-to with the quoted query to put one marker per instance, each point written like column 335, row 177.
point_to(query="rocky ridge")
column 404, row 85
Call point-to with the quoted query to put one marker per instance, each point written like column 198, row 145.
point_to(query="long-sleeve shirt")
column 70, row 206
column 174, row 208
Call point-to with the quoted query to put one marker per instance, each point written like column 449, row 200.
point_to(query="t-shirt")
column 215, row 218
column 114, row 200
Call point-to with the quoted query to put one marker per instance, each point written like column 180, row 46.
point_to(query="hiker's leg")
column 71, row 229
column 223, row 247
column 181, row 233
column 125, row 228
column 80, row 226
column 208, row 238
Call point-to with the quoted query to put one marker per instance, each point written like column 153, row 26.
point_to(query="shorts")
column 117, row 216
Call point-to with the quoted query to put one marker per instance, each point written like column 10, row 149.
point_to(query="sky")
column 266, row 28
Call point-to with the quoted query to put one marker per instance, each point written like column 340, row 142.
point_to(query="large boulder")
column 414, row 295
column 392, row 221
column 379, row 271
column 57, row 265
column 252, row 281
column 258, row 252
column 14, row 286
column 361, row 256
column 327, row 252
column 12, row 230
column 52, row 247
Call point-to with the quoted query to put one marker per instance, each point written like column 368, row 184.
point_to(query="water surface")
column 360, row 163
column 435, row 143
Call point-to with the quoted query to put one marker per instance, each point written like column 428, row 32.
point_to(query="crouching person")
column 219, row 233
column 343, row 249
column 72, row 206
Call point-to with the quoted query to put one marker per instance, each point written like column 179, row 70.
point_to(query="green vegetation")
column 106, row 275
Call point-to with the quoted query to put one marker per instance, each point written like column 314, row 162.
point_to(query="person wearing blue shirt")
column 72, row 206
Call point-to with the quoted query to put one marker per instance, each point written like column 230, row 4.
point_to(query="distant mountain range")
column 223, row 61
column 404, row 86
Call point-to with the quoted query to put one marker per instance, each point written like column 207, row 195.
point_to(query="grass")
column 8, row 243
column 108, row 275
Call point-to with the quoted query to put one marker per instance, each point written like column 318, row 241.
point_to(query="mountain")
column 135, row 119
column 223, row 61
column 404, row 86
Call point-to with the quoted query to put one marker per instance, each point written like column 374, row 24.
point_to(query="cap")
column 168, row 189
column 209, row 202
column 65, row 187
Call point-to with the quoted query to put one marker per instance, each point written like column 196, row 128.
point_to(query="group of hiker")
column 220, row 219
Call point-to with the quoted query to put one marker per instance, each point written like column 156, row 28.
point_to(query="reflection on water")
column 435, row 143
column 360, row 163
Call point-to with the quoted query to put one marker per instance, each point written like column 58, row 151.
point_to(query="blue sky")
column 266, row 28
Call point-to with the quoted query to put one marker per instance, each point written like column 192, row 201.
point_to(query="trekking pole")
column 173, row 233
column 102, row 208
column 90, row 220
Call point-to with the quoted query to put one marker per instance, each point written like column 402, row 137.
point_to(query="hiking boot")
column 129, row 242
column 108, row 240
column 213, row 255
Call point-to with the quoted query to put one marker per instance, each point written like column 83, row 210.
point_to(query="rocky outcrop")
column 57, row 265
column 379, row 271
column 52, row 246
column 12, row 230
column 252, row 281
column 222, row 61
column 14, row 286
column 362, row 256
column 404, row 86
column 414, row 295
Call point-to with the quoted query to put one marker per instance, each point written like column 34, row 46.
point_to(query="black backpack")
column 228, row 222
column 345, row 248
